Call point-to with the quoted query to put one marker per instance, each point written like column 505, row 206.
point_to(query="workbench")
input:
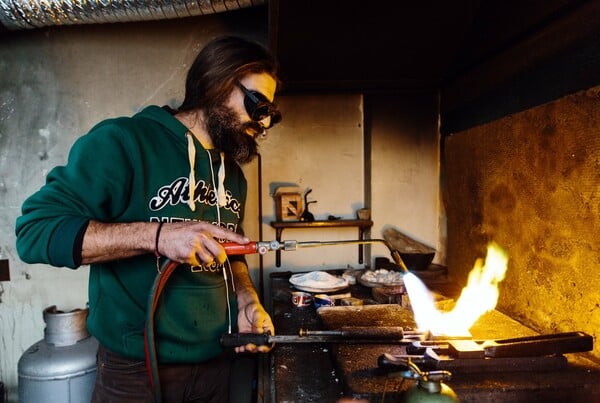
column 322, row 373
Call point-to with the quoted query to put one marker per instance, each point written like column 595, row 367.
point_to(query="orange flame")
column 478, row 297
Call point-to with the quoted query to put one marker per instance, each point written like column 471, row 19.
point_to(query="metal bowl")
column 417, row 261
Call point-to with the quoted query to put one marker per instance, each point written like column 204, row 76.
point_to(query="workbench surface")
column 322, row 373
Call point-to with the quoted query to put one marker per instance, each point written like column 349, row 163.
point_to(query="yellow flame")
column 478, row 297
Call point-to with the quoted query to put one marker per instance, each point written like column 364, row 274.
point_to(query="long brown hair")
column 219, row 64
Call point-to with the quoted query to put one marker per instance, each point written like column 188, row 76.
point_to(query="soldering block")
column 465, row 349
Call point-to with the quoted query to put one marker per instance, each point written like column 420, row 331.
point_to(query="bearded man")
column 159, row 187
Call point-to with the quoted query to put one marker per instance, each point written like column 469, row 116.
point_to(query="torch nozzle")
column 398, row 259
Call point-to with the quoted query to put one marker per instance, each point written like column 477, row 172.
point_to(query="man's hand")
column 252, row 318
column 195, row 242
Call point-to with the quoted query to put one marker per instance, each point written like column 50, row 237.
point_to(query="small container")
column 363, row 214
column 288, row 206
column 300, row 299
column 323, row 300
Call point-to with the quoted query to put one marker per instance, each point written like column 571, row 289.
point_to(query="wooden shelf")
column 362, row 226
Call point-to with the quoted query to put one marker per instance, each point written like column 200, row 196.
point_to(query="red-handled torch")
column 260, row 247
column 232, row 248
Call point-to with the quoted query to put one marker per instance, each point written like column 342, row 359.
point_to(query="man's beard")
column 230, row 135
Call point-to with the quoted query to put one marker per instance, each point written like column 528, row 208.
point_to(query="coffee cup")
column 300, row 298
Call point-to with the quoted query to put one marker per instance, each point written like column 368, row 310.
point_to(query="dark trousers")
column 123, row 380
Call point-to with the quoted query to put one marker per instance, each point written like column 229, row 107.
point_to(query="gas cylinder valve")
column 430, row 386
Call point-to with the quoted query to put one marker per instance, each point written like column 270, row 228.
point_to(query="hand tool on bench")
column 348, row 334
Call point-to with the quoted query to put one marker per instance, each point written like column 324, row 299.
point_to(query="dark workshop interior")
column 503, row 95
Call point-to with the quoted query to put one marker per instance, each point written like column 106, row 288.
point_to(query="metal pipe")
column 395, row 254
column 261, row 271
column 28, row 14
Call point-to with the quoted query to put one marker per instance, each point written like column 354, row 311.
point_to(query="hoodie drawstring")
column 221, row 196
column 192, row 175
column 221, row 200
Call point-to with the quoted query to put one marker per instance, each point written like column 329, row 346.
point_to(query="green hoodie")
column 128, row 170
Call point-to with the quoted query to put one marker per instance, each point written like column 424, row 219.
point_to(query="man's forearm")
column 192, row 242
column 246, row 292
column 104, row 242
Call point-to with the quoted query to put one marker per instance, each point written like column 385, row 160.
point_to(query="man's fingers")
column 193, row 259
column 221, row 257
column 217, row 250
column 202, row 253
column 222, row 233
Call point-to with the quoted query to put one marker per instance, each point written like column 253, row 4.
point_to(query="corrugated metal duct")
column 27, row 14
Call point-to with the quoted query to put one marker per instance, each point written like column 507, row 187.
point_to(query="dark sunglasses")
column 258, row 106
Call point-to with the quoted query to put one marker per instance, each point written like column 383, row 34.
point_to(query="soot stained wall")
column 531, row 182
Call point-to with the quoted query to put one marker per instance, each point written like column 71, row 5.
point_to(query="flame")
column 478, row 297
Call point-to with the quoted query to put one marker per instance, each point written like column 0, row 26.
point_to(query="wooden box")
column 288, row 206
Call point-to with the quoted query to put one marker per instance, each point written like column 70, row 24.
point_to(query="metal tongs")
column 496, row 354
